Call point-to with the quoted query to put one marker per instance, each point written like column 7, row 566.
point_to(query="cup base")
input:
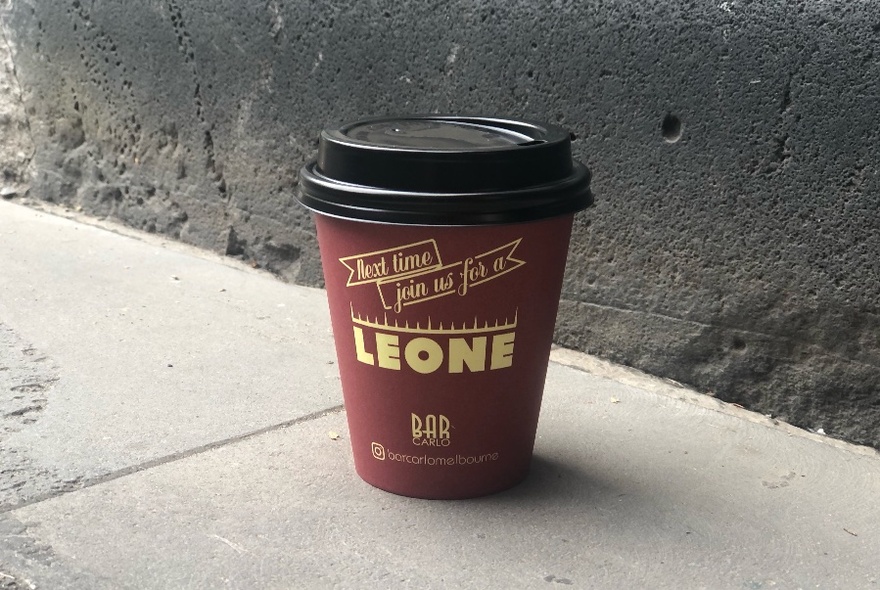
column 447, row 494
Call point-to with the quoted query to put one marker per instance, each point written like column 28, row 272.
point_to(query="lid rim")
column 326, row 196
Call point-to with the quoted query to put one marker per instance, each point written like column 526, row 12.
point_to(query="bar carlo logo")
column 432, row 430
column 413, row 274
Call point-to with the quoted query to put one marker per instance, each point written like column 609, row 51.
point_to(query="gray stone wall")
column 734, row 243
column 16, row 143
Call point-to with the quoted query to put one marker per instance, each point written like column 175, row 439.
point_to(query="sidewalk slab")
column 630, row 489
column 122, row 351
column 636, row 483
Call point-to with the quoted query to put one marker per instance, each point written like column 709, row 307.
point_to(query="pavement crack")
column 23, row 411
column 84, row 483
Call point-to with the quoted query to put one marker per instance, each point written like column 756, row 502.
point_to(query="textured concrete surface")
column 637, row 482
column 116, row 353
column 734, row 244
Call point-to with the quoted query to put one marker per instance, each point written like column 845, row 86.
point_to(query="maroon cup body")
column 443, row 336
column 442, row 330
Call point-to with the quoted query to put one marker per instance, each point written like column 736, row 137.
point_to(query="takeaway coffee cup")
column 443, row 242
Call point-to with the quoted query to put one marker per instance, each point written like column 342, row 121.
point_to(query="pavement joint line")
column 674, row 390
column 770, row 337
column 171, row 458
column 113, row 226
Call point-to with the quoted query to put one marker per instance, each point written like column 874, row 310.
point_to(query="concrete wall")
column 734, row 243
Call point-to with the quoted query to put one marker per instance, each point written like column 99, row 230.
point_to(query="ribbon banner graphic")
column 415, row 273
column 392, row 264
column 451, row 279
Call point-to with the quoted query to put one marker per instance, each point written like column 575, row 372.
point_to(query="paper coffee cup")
column 443, row 242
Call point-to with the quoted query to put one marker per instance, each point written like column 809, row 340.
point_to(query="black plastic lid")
column 445, row 170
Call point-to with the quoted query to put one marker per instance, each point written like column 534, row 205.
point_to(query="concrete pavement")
column 168, row 419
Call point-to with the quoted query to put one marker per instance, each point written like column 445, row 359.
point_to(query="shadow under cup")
column 443, row 242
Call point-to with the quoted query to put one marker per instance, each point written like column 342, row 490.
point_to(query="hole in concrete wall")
column 671, row 128
column 739, row 344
